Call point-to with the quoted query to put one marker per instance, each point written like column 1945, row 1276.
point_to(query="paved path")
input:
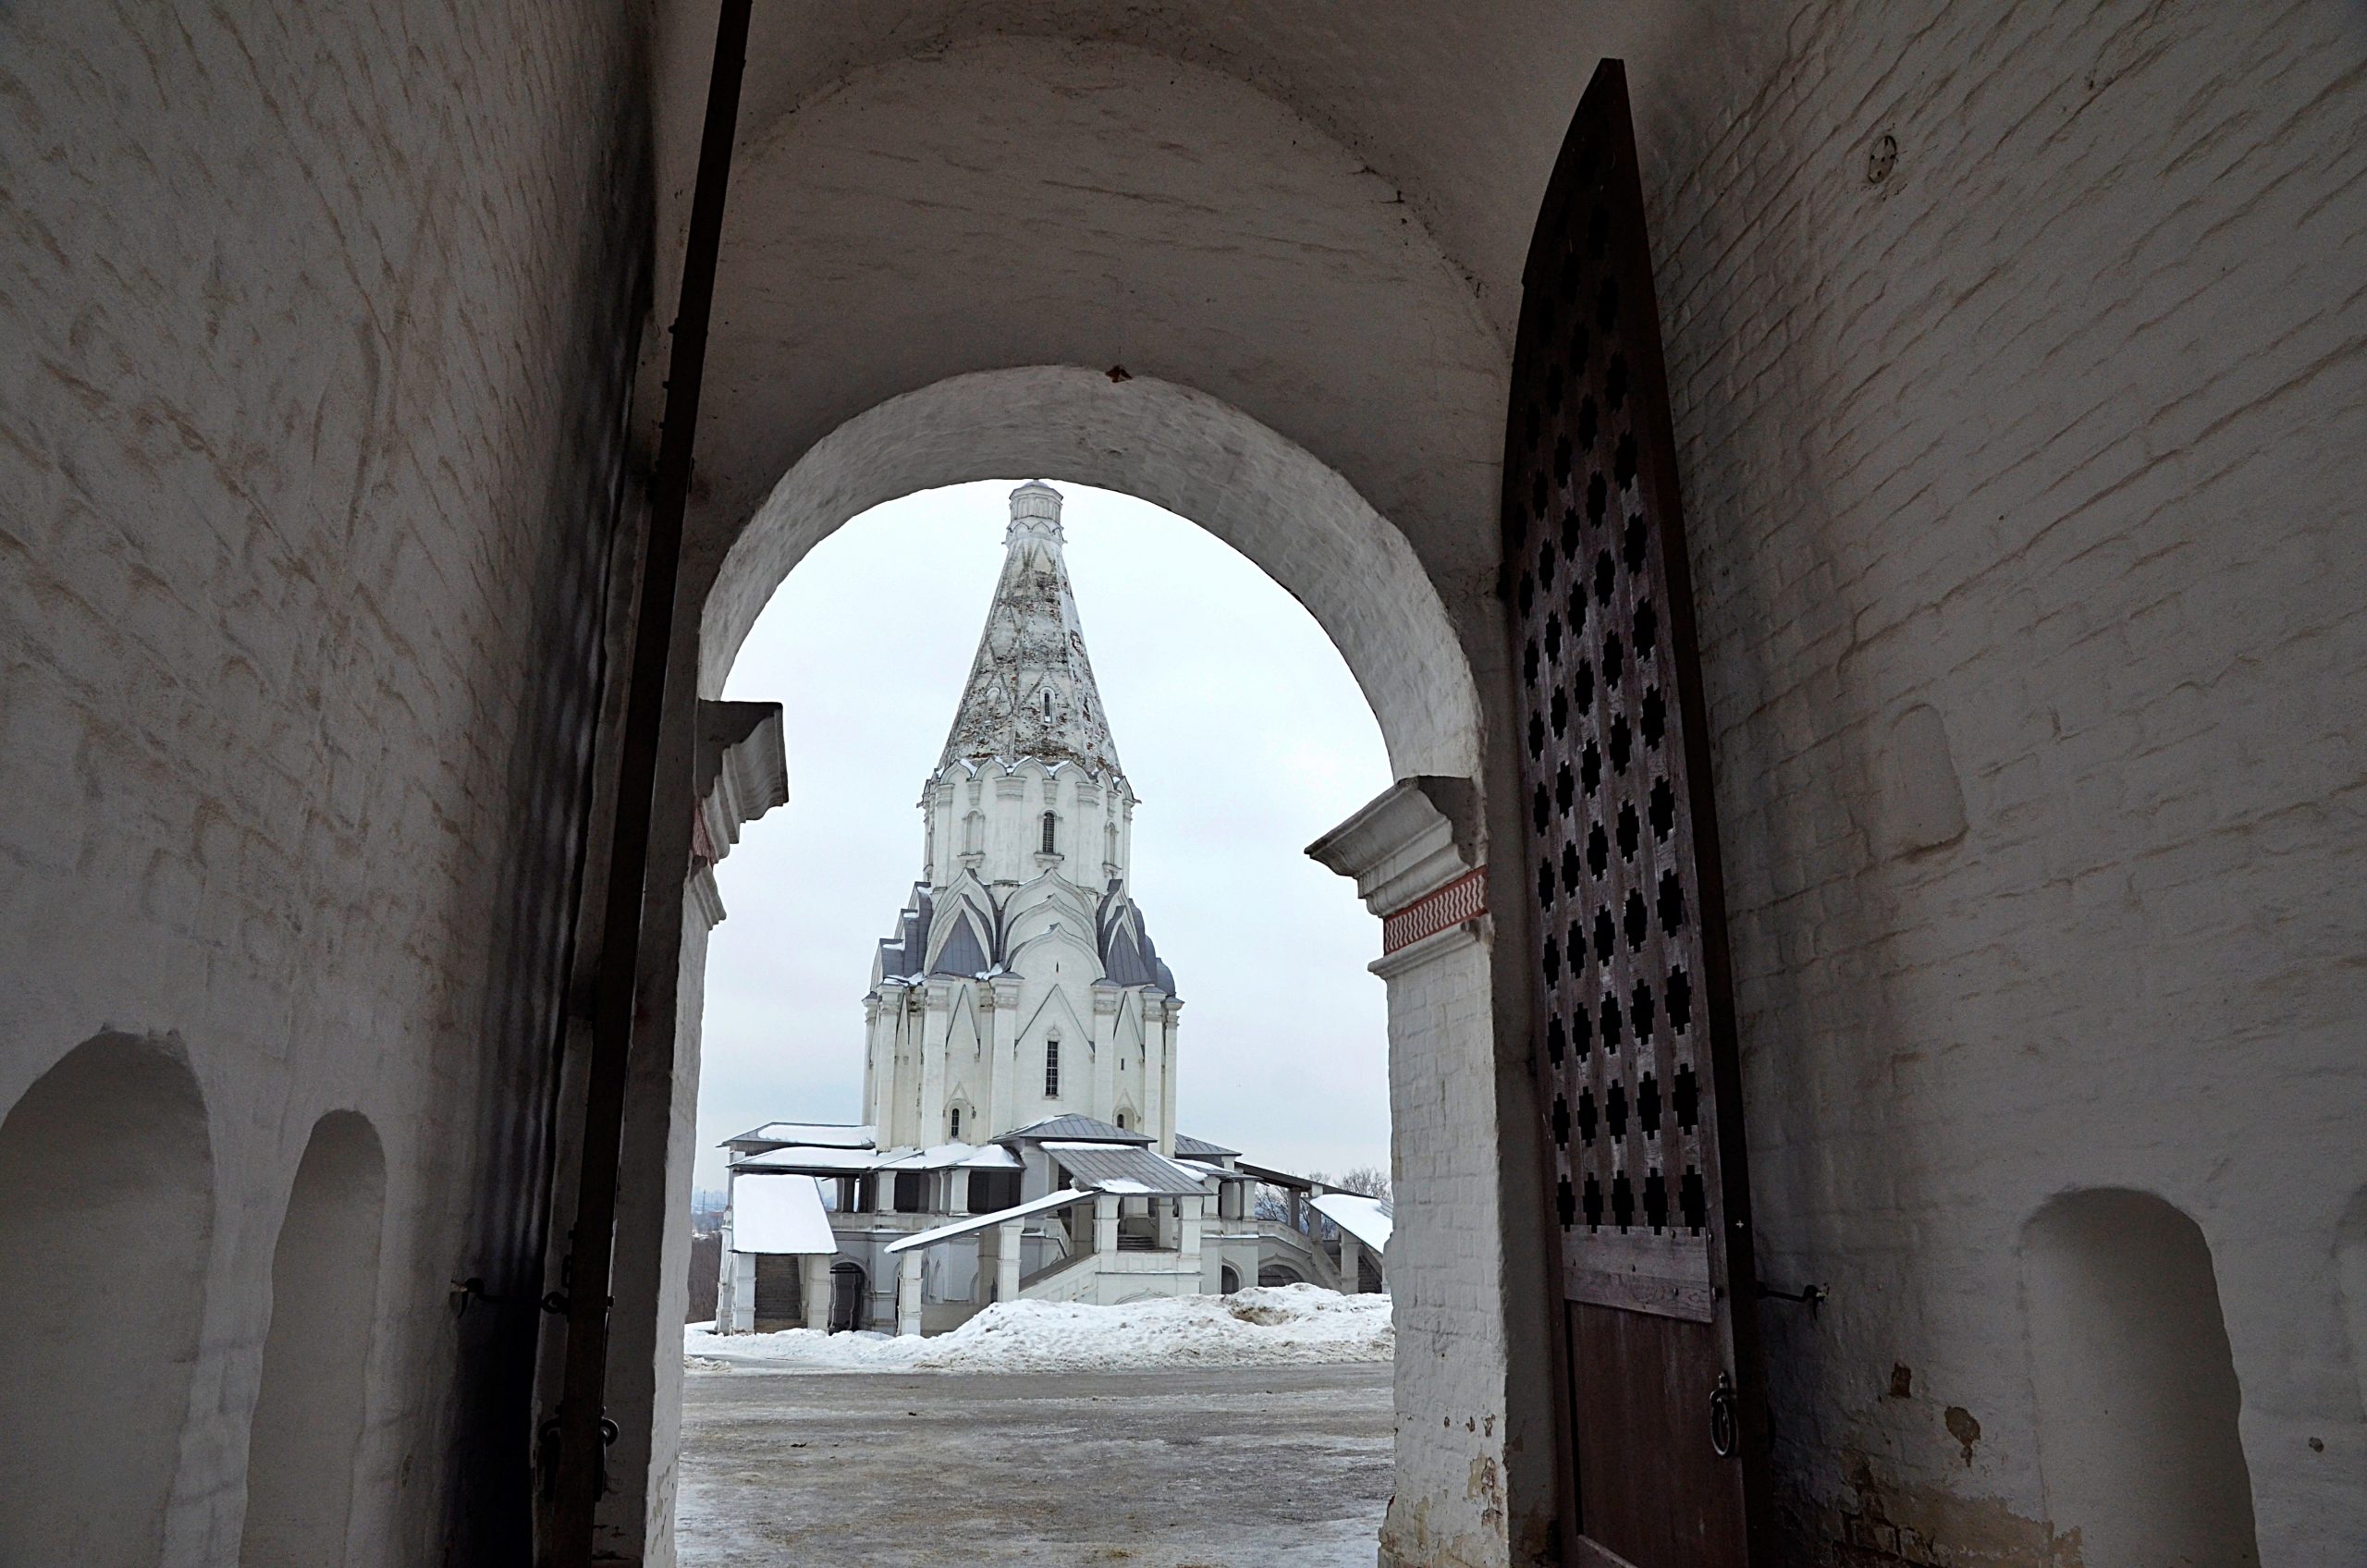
column 1282, row 1467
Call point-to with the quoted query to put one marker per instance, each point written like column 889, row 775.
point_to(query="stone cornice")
column 1411, row 839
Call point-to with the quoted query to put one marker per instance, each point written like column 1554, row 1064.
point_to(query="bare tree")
column 1370, row 1181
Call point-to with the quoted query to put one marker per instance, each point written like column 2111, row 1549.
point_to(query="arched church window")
column 1051, row 829
column 1121, row 1122
column 1047, row 704
column 1051, row 1067
column 953, row 1123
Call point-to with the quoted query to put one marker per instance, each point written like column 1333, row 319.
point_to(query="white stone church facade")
column 1019, row 1135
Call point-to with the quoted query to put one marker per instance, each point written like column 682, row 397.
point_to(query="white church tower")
column 1020, row 984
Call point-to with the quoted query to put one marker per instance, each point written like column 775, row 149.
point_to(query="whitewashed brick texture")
column 314, row 332
column 2058, row 429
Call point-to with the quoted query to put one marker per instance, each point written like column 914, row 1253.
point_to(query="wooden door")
column 780, row 1293
column 1635, row 1030
column 849, row 1292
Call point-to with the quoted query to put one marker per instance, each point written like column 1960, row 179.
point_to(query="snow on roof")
column 1200, row 1148
column 807, row 1156
column 780, row 1214
column 948, row 1156
column 1217, row 1172
column 982, row 1222
column 828, row 1134
column 1118, row 1168
column 1084, row 1129
column 1367, row 1219
column 826, row 1160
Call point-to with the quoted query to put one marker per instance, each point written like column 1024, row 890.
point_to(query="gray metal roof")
column 1128, row 955
column 1189, row 1148
column 1119, row 1168
column 963, row 954
column 828, row 1134
column 1084, row 1129
column 900, row 955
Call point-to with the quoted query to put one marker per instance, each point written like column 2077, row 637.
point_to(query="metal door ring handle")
column 1722, row 1418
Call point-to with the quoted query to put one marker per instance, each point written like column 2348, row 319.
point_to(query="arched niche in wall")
column 307, row 1429
column 2350, row 1276
column 106, row 1215
column 2137, row 1391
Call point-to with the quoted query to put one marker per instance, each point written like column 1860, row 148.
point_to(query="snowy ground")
column 1189, row 1468
column 1281, row 1325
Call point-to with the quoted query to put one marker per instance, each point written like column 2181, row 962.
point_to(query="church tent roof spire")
column 1031, row 691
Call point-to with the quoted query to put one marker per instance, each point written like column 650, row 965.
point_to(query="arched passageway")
column 849, row 1292
column 1174, row 446
column 1311, row 531
column 2138, row 1398
column 306, row 1431
column 106, row 1213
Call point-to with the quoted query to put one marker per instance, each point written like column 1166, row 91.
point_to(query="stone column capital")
column 1415, row 852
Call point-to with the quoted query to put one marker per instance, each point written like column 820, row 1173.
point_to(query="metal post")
column 581, row 1414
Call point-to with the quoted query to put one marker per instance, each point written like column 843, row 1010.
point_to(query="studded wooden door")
column 1635, row 1016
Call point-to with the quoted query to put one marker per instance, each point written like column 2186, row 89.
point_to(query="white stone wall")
column 2022, row 484
column 1447, row 1263
column 313, row 326
column 1009, row 822
column 982, row 1043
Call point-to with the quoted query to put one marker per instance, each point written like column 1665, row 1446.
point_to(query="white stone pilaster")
column 814, row 1277
column 1008, row 1256
column 908, row 1293
column 742, row 1269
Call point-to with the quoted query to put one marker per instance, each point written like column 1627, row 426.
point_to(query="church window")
column 1121, row 1122
column 953, row 1123
column 1051, row 1069
column 1051, row 830
column 1047, row 704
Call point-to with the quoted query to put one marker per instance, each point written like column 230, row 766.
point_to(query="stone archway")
column 312, row 1404
column 106, row 1221
column 1309, row 530
column 1179, row 449
column 2139, row 1442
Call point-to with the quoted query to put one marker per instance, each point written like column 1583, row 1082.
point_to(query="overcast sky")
column 1243, row 735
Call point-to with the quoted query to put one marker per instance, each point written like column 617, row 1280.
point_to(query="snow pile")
column 1277, row 1326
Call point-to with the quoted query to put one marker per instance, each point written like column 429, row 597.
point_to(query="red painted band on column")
column 1464, row 898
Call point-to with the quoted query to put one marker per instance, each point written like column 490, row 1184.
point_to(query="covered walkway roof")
column 1367, row 1219
column 985, row 1221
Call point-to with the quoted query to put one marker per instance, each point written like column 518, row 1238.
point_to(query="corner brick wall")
column 2052, row 424
column 318, row 324
column 1454, row 1505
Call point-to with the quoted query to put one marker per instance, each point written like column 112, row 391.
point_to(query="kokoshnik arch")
column 2017, row 411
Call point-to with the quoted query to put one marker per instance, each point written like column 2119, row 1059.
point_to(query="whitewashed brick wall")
column 2056, row 431
column 313, row 322
column 1447, row 1263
